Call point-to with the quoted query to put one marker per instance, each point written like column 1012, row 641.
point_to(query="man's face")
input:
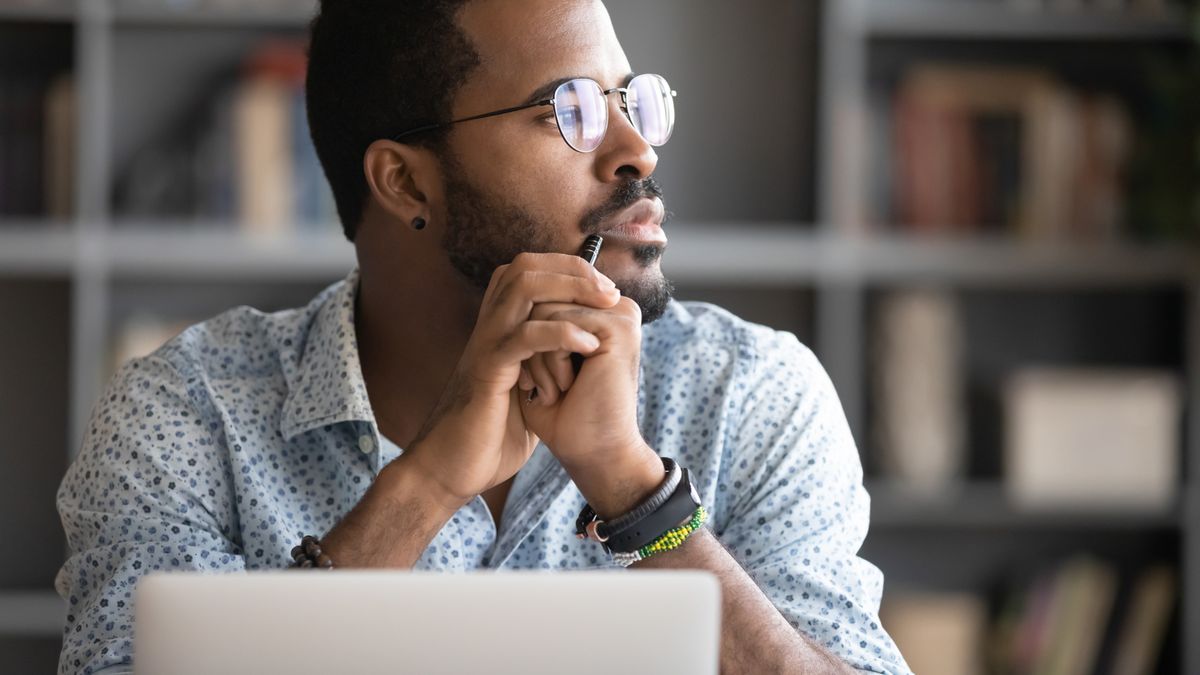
column 513, row 184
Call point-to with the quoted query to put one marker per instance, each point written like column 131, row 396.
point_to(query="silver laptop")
column 294, row 621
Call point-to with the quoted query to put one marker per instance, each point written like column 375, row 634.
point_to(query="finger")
column 560, row 263
column 559, row 364
column 525, row 380
column 515, row 297
column 618, row 329
column 534, row 337
column 547, row 387
column 563, row 263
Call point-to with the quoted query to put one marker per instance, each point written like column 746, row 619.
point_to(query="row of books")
column 1075, row 618
column 994, row 149
column 1074, row 438
column 247, row 157
column 37, row 137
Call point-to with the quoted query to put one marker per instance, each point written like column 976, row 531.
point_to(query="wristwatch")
column 652, row 523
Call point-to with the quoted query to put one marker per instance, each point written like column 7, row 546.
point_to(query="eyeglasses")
column 581, row 111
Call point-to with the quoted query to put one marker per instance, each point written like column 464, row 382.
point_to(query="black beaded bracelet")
column 309, row 554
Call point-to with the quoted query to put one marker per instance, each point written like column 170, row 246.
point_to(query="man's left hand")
column 589, row 421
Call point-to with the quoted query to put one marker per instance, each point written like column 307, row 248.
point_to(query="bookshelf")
column 786, row 241
column 1021, row 301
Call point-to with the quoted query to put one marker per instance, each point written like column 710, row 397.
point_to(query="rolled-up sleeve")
column 797, row 512
column 150, row 490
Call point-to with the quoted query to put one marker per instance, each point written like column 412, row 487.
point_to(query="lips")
column 639, row 224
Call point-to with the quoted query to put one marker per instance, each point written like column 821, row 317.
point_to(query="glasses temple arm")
column 494, row 113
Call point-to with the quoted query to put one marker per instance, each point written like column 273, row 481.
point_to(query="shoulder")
column 699, row 330
column 242, row 342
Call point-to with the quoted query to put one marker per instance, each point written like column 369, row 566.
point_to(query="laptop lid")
column 346, row 621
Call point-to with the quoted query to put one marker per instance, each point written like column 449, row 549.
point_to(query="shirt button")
column 366, row 444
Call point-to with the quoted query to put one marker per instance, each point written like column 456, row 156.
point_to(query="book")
column 1008, row 150
column 60, row 147
column 938, row 632
column 1141, row 635
column 1092, row 438
column 1054, row 621
column 1084, row 593
column 246, row 157
column 919, row 390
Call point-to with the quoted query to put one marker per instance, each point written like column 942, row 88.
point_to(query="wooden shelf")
column 31, row 614
column 1009, row 20
column 985, row 506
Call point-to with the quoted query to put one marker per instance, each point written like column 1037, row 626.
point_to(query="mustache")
column 625, row 195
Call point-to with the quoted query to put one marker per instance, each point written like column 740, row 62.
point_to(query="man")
column 425, row 412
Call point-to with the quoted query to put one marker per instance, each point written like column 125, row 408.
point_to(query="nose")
column 623, row 153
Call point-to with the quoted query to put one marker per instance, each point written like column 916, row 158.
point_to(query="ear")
column 402, row 179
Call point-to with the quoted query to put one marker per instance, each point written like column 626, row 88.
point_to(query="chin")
column 650, row 290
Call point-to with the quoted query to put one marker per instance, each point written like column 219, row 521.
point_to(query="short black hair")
column 377, row 68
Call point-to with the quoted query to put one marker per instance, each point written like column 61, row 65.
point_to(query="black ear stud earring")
column 418, row 223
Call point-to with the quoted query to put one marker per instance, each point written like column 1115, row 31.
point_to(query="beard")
column 485, row 231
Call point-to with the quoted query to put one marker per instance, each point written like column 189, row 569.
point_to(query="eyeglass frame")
column 624, row 91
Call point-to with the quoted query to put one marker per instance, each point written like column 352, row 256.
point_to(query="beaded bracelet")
column 671, row 539
column 309, row 554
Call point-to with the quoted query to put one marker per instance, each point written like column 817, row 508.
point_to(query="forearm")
column 755, row 637
column 393, row 523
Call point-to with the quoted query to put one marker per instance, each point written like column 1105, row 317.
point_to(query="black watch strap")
column 680, row 506
column 674, row 474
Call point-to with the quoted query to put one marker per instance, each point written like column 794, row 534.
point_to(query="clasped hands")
column 535, row 312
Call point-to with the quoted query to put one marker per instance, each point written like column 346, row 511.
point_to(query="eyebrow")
column 546, row 91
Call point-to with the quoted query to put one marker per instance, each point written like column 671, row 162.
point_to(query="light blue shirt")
column 224, row 447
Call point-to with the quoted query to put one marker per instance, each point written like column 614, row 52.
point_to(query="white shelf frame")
column 739, row 254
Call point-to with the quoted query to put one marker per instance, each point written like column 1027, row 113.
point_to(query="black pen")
column 589, row 252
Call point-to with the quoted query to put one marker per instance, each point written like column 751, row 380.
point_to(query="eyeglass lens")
column 582, row 111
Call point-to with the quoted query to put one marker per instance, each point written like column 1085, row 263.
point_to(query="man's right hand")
column 476, row 437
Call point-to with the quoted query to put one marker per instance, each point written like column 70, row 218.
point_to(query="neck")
column 413, row 317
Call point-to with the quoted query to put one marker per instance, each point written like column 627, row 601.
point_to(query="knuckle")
column 525, row 332
column 502, row 295
column 524, row 259
column 630, row 307
column 498, row 274
column 526, row 280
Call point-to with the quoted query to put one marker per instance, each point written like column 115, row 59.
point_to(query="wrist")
column 405, row 479
column 617, row 486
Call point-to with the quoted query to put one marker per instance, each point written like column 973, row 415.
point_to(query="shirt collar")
column 329, row 387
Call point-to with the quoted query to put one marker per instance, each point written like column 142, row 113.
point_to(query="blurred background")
column 983, row 215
